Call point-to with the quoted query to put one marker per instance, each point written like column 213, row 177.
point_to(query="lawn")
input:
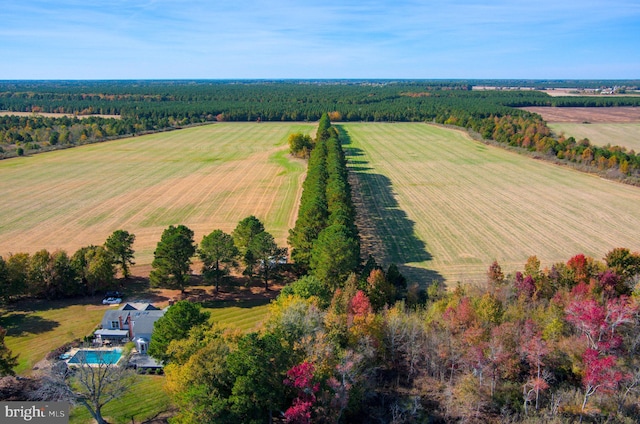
column 245, row 316
column 206, row 177
column 35, row 328
column 445, row 206
column 145, row 400
column 617, row 134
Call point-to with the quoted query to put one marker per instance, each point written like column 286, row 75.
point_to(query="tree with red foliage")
column 600, row 373
column 301, row 377
column 534, row 349
column 609, row 283
column 501, row 352
column 579, row 265
column 598, row 323
column 525, row 286
column 495, row 276
column 359, row 304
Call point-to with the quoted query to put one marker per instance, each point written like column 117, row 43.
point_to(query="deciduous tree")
column 91, row 385
column 175, row 324
column 258, row 367
column 94, row 266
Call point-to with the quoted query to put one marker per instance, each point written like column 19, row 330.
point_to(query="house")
column 131, row 322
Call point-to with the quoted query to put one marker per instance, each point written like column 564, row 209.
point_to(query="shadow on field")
column 387, row 232
column 40, row 305
column 19, row 324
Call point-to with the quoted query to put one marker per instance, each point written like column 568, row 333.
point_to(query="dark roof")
column 139, row 307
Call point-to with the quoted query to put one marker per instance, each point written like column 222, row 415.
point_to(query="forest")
column 148, row 106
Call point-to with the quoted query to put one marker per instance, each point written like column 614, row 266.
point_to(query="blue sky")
column 130, row 39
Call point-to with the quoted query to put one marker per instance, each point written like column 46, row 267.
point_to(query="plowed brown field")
column 206, row 177
column 587, row 114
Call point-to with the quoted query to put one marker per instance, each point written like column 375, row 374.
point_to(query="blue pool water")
column 95, row 357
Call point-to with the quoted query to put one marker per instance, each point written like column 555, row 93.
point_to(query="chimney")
column 130, row 328
column 121, row 325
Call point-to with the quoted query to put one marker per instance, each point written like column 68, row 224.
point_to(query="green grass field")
column 205, row 177
column 145, row 400
column 36, row 328
column 617, row 134
column 446, row 206
column 246, row 316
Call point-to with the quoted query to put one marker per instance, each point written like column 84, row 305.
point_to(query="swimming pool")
column 96, row 356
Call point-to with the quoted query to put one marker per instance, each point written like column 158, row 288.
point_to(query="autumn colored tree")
column 600, row 324
column 300, row 145
column 534, row 349
column 301, row 378
column 623, row 262
column 495, row 276
column 51, row 275
column 600, row 374
column 380, row 291
column 200, row 383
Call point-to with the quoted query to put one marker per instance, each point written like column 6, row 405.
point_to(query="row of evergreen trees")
column 325, row 237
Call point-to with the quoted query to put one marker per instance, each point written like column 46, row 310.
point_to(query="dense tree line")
column 558, row 344
column 55, row 275
column 325, row 238
column 92, row 269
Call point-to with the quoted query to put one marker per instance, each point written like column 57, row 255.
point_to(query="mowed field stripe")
column 451, row 205
column 205, row 177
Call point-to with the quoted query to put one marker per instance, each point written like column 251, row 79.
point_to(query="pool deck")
column 72, row 353
column 137, row 360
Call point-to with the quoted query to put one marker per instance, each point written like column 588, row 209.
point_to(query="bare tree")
column 92, row 385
